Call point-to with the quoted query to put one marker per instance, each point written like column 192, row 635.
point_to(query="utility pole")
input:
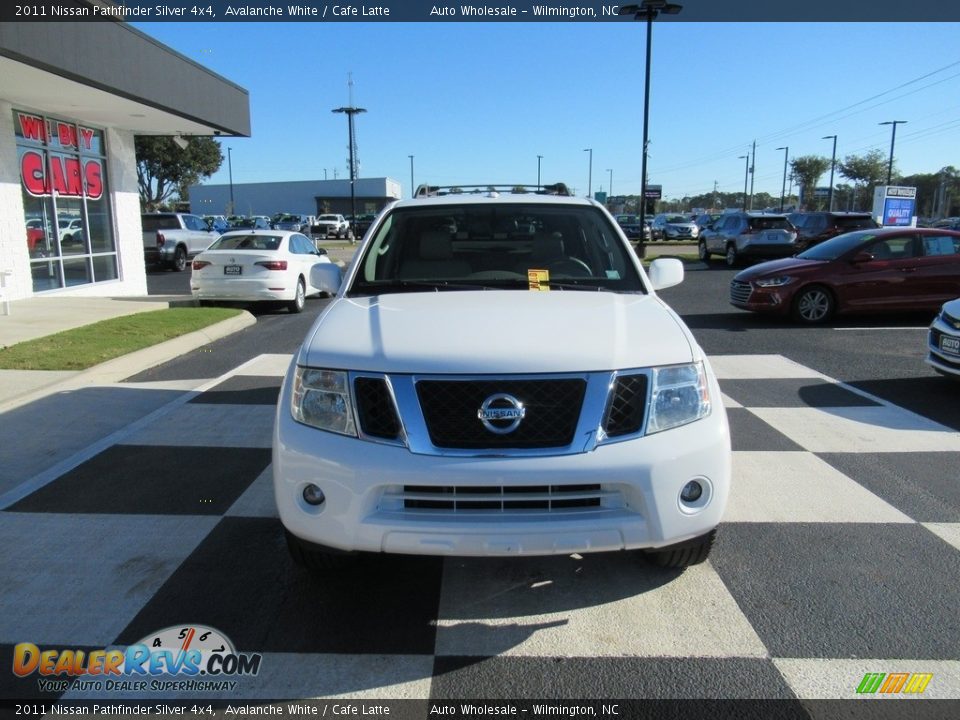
column 753, row 158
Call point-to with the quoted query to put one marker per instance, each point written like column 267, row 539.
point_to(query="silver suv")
column 741, row 235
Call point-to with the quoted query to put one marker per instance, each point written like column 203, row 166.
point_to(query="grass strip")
column 90, row 345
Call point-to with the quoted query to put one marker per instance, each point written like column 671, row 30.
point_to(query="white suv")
column 497, row 376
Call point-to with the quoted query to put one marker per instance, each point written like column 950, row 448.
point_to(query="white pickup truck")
column 172, row 239
column 331, row 225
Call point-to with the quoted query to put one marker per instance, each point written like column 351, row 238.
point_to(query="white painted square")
column 602, row 605
column 757, row 367
column 860, row 429
column 266, row 365
column 80, row 579
column 729, row 402
column 839, row 679
column 257, row 500
column 210, row 425
column 800, row 487
column 948, row 532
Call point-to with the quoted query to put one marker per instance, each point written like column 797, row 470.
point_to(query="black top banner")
column 496, row 11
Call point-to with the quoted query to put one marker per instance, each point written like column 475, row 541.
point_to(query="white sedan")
column 257, row 266
column 943, row 340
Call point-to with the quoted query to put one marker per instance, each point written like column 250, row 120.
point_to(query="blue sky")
column 477, row 102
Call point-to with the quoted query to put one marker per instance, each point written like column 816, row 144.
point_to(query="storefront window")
column 69, row 222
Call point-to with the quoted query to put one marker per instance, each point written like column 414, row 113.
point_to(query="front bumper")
column 364, row 483
column 945, row 362
column 773, row 300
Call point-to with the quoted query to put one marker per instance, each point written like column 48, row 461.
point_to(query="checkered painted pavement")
column 839, row 555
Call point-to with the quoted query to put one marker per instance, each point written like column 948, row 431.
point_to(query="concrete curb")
column 122, row 367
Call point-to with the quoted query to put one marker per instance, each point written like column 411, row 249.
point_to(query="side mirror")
column 862, row 257
column 665, row 272
column 321, row 251
column 326, row 277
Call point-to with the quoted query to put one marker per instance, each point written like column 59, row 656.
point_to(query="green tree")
column 807, row 170
column 864, row 171
column 163, row 168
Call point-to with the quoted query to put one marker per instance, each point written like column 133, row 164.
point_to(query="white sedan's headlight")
column 778, row 281
column 680, row 396
column 321, row 399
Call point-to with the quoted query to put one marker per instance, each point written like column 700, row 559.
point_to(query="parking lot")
column 839, row 556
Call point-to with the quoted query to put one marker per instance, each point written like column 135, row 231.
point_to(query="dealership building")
column 72, row 98
column 306, row 197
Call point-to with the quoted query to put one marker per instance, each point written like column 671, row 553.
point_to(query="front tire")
column 685, row 554
column 703, row 253
column 732, row 258
column 179, row 259
column 311, row 558
column 300, row 299
column 813, row 305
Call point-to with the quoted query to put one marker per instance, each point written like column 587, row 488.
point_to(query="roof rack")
column 512, row 188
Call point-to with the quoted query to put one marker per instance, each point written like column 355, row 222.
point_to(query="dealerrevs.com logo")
column 177, row 658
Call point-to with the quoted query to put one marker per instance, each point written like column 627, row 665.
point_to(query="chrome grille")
column 501, row 499
column 552, row 408
column 375, row 408
column 739, row 291
column 627, row 406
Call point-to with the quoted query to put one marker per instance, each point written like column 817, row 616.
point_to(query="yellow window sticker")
column 539, row 279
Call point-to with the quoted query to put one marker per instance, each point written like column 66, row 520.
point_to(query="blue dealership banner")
column 898, row 212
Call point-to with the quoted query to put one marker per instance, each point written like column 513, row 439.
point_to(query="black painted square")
column 923, row 485
column 601, row 678
column 242, row 581
column 840, row 590
column 152, row 480
column 242, row 390
column 748, row 432
column 792, row 392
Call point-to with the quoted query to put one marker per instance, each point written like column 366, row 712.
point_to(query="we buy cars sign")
column 68, row 176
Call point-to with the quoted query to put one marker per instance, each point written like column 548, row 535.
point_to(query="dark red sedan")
column 875, row 270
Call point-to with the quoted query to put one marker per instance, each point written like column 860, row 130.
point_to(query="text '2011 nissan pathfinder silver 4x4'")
column 496, row 376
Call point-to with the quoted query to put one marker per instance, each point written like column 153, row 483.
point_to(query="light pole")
column 539, row 158
column 833, row 163
column 590, row 173
column 893, row 138
column 783, row 185
column 412, row 188
column 610, row 188
column 746, row 174
column 230, row 171
column 648, row 9
column 350, row 112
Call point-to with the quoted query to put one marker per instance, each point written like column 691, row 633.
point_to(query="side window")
column 940, row 245
column 194, row 223
column 729, row 224
column 901, row 247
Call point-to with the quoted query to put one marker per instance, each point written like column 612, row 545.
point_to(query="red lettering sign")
column 32, row 127
column 66, row 177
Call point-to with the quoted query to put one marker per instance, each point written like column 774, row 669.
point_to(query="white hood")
column 496, row 332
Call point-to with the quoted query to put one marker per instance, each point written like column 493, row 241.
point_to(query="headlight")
column 321, row 399
column 774, row 281
column 680, row 396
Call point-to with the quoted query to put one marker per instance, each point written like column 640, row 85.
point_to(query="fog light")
column 691, row 492
column 314, row 495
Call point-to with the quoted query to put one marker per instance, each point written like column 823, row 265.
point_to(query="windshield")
column 835, row 247
column 328, row 217
column 496, row 246
column 678, row 219
column 246, row 242
column 628, row 219
column 770, row 223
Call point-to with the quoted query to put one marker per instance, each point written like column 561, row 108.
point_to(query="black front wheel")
column 703, row 253
column 179, row 259
column 681, row 555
